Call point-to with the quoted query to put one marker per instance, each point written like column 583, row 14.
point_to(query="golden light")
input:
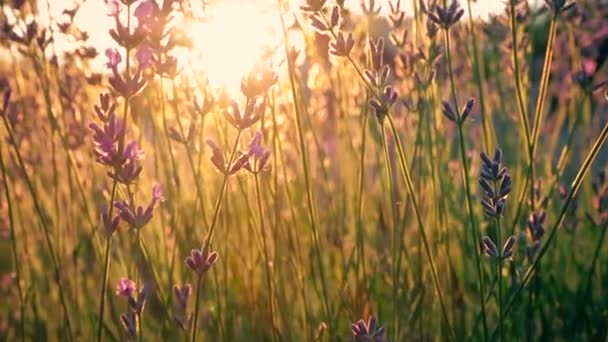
column 230, row 39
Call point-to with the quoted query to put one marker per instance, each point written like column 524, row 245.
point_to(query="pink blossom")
column 113, row 8
column 145, row 12
column 114, row 58
column 145, row 56
column 125, row 287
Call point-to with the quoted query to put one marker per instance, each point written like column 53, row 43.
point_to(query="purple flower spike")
column 145, row 57
column 139, row 217
column 257, row 155
column 114, row 58
column 218, row 160
column 110, row 224
column 200, row 261
column 129, row 169
column 113, row 8
column 129, row 321
column 145, row 12
column 368, row 331
column 125, row 287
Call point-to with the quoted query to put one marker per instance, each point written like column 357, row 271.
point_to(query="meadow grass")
column 398, row 177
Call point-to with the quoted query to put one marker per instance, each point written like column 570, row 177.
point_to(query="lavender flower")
column 125, row 287
column 257, row 155
column 368, row 331
column 145, row 12
column 559, row 6
column 114, row 58
column 491, row 250
column 258, row 82
column 495, row 182
column 245, row 119
column 219, row 162
column 114, row 8
column 343, row 45
column 128, row 168
column 139, row 217
column 106, row 140
column 383, row 104
column 446, row 17
column 129, row 322
column 450, row 112
column 535, row 228
column 145, row 56
column 312, row 6
column 200, row 261
column 182, row 317
column 109, row 224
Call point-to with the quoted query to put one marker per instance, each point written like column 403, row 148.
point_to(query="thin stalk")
column 209, row 238
column 421, row 227
column 220, row 195
column 477, row 75
column 267, row 257
column 104, row 288
column 11, row 221
column 523, row 111
column 309, row 195
column 466, row 176
column 396, row 242
column 196, row 307
column 540, row 104
column 499, row 279
column 578, row 180
column 195, row 174
column 588, row 279
column 45, row 225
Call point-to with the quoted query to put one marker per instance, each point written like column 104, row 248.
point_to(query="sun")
column 230, row 39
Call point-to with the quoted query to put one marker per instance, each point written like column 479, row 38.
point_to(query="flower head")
column 114, row 58
column 138, row 217
column 109, row 224
column 446, row 17
column 113, row 8
column 144, row 56
column 125, row 287
column 145, row 12
column 200, row 261
column 368, row 330
column 257, row 155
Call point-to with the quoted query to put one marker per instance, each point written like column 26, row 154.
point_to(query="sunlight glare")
column 229, row 41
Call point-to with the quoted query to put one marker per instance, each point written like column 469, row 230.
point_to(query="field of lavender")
column 381, row 174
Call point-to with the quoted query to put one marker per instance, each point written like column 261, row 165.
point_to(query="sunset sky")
column 253, row 24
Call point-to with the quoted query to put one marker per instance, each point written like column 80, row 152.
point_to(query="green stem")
column 578, row 180
column 466, row 176
column 16, row 260
column 479, row 83
column 196, row 308
column 220, row 195
column 309, row 196
column 396, row 243
column 411, row 192
column 45, row 225
column 267, row 257
column 104, row 288
column 499, row 279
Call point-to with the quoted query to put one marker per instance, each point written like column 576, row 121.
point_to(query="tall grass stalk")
column 304, row 159
column 44, row 221
column 576, row 183
column 16, row 261
column 466, row 179
column 267, row 260
column 405, row 171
